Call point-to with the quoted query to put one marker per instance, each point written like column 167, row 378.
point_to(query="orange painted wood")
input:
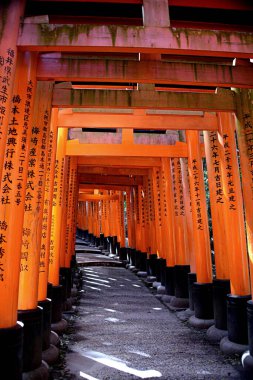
column 71, row 252
column 174, row 73
column 10, row 13
column 181, row 236
column 74, row 148
column 188, row 212
column 136, row 212
column 199, row 210
column 133, row 213
column 158, row 211
column 151, row 206
column 13, row 187
column 65, row 202
column 143, row 224
column 146, row 121
column 112, row 171
column 54, row 259
column 106, row 218
column 238, row 260
column 96, row 197
column 34, row 199
column 244, row 128
column 47, row 210
column 98, row 180
column 219, row 204
column 223, row 100
column 168, row 205
column 103, row 187
column 130, row 162
column 148, row 216
column 162, row 40
column 129, row 219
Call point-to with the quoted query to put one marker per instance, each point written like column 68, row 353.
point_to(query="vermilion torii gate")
column 153, row 72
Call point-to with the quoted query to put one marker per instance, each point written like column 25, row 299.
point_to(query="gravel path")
column 121, row 331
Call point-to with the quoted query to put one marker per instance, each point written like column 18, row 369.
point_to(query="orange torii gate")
column 23, row 61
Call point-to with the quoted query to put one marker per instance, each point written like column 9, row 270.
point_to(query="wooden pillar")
column 54, row 260
column 244, row 127
column 218, row 203
column 47, row 211
column 182, row 267
column 13, row 187
column 199, row 210
column 71, row 253
column 71, row 206
column 181, row 240
column 167, row 196
column 142, row 219
column 65, row 201
column 157, row 208
column 129, row 218
column 122, row 219
column 147, row 216
column 136, row 195
column 133, row 215
column 34, row 199
column 238, row 260
column 237, row 248
column 151, row 206
column 188, row 212
column 10, row 15
column 203, row 298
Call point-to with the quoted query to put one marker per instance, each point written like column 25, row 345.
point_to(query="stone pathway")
column 121, row 331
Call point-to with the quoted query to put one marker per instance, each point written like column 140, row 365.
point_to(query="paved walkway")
column 121, row 331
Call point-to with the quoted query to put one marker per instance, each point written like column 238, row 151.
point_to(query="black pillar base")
column 237, row 318
column 203, row 300
column 181, row 281
column 192, row 277
column 49, row 290
column 151, row 264
column 137, row 260
column 163, row 272
column 247, row 363
column 143, row 262
column 132, row 254
column 169, row 281
column 109, row 244
column 117, row 248
column 250, row 325
column 159, row 263
column 32, row 347
column 89, row 237
column 123, row 254
column 114, row 245
column 102, row 240
column 106, row 243
column 46, row 324
column 66, row 282
column 221, row 288
column 56, row 303
column 11, row 351
column 50, row 353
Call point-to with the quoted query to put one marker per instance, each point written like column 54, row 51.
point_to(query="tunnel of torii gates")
column 77, row 105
